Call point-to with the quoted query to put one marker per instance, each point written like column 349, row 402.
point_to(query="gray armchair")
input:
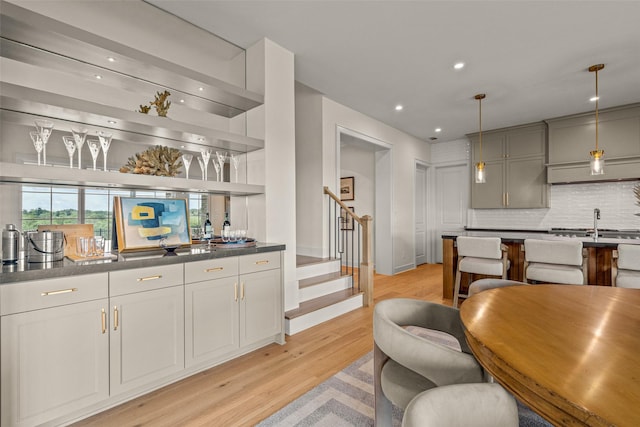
column 405, row 364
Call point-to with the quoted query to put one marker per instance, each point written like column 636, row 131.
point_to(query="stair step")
column 318, row 310
column 318, row 286
column 302, row 260
column 315, row 280
column 318, row 267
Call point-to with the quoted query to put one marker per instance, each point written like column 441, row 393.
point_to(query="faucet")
column 596, row 217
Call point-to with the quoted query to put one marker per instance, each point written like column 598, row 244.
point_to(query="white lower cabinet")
column 54, row 361
column 260, row 306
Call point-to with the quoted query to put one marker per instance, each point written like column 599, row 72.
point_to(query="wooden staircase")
column 324, row 293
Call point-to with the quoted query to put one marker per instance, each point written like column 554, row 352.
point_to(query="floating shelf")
column 50, row 175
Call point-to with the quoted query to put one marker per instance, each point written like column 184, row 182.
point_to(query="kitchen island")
column 600, row 252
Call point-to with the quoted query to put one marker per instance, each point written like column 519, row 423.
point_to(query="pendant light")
column 597, row 155
column 480, row 172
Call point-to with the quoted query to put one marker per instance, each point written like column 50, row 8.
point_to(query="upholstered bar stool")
column 406, row 364
column 486, row 284
column 625, row 271
column 480, row 255
column 555, row 261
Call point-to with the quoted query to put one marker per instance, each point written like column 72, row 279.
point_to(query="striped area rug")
column 346, row 399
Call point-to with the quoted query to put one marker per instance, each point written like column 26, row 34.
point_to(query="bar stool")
column 555, row 261
column 625, row 271
column 480, row 255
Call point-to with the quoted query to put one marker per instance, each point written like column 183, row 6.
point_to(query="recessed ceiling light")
column 182, row 101
column 111, row 59
column 399, row 107
column 201, row 139
column 438, row 129
column 200, row 89
column 111, row 122
column 458, row 65
column 594, row 98
column 98, row 76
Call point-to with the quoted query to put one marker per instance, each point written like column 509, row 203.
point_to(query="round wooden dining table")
column 570, row 353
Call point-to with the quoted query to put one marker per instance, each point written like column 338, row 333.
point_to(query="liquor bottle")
column 226, row 225
column 208, row 230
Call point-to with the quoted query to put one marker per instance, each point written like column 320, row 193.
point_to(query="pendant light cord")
column 597, row 99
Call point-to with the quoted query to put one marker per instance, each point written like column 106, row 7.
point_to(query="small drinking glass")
column 98, row 245
column 105, row 143
column 82, row 246
column 44, row 128
column 235, row 160
column 70, row 145
column 79, row 136
column 242, row 235
column 206, row 155
column 94, row 148
column 186, row 160
column 37, row 143
column 222, row 158
column 216, row 166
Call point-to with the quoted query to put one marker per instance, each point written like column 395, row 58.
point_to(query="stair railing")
column 350, row 239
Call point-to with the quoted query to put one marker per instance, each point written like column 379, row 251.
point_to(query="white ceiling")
column 529, row 57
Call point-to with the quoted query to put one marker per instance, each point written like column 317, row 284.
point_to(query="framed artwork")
column 347, row 189
column 346, row 221
column 148, row 223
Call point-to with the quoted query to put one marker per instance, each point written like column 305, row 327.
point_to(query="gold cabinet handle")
column 264, row 261
column 115, row 318
column 211, row 270
column 242, row 290
column 235, row 291
column 503, row 200
column 61, row 291
column 144, row 279
column 507, row 199
column 104, row 321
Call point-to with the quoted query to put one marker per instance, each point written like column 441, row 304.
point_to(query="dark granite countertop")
column 520, row 235
column 23, row 271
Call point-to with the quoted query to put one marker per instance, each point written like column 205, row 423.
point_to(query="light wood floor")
column 246, row 390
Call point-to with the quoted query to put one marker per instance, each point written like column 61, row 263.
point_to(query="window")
column 48, row 205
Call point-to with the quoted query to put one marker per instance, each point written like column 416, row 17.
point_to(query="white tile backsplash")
column 572, row 206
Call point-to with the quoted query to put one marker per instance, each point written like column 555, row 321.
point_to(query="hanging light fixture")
column 597, row 155
column 480, row 172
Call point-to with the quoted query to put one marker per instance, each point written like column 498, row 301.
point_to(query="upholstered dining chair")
column 406, row 364
column 479, row 255
column 485, row 284
column 555, row 261
column 625, row 271
column 478, row 405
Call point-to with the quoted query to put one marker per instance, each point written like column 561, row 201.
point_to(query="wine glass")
column 235, row 160
column 105, row 142
column 222, row 157
column 206, row 155
column 202, row 167
column 37, row 143
column 79, row 135
column 94, row 147
column 216, row 166
column 44, row 128
column 70, row 145
column 186, row 160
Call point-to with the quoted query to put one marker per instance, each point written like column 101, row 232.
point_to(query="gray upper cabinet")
column 515, row 165
column 571, row 139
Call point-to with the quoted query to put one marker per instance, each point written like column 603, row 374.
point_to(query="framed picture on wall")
column 347, row 189
column 346, row 221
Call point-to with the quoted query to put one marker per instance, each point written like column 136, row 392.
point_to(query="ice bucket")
column 45, row 246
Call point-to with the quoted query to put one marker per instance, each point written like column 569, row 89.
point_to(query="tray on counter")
column 219, row 243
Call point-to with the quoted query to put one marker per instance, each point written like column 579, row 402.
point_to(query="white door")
column 452, row 195
column 421, row 214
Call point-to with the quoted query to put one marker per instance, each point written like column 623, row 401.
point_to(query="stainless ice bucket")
column 45, row 246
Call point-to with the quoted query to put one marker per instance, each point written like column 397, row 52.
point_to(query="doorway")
column 420, row 214
column 451, row 183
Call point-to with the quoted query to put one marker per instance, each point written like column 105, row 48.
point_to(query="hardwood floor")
column 246, row 390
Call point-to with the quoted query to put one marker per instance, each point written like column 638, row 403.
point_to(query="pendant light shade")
column 480, row 172
column 597, row 155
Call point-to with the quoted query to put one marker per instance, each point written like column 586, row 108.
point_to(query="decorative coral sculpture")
column 161, row 103
column 144, row 109
column 158, row 161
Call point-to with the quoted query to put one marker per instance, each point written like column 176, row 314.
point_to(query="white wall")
column 359, row 164
column 405, row 150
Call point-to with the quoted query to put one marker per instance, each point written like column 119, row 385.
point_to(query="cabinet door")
column 526, row 142
column 492, row 147
column 54, row 361
column 261, row 314
column 147, row 338
column 491, row 193
column 212, row 319
column 526, row 183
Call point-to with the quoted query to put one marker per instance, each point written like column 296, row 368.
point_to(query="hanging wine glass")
column 79, row 136
column 37, row 143
column 186, row 160
column 94, row 147
column 70, row 145
column 203, row 169
column 105, row 143
column 235, row 160
column 44, row 128
column 216, row 166
column 222, row 157
column 206, row 155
